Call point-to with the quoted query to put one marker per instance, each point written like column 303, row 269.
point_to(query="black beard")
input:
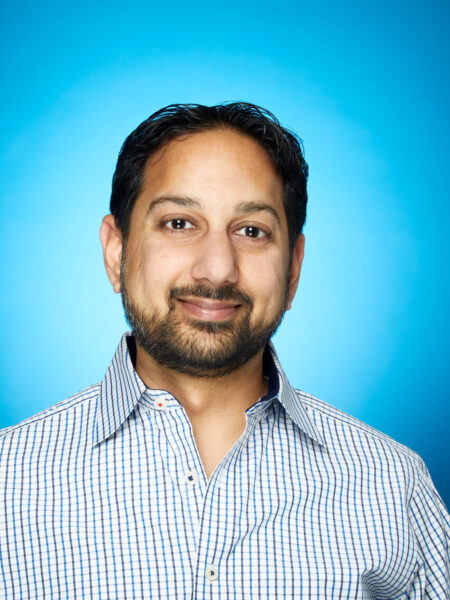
column 174, row 342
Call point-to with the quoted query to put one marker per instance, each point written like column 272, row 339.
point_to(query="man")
column 194, row 469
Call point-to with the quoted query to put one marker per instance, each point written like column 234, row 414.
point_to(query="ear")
column 296, row 266
column 112, row 243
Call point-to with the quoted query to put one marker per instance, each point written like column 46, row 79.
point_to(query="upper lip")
column 209, row 303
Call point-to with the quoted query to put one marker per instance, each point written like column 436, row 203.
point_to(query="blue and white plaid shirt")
column 104, row 496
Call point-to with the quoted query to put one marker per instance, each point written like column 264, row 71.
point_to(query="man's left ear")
column 296, row 266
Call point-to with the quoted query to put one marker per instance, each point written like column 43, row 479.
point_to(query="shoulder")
column 353, row 439
column 68, row 410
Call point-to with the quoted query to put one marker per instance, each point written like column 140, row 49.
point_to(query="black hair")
column 284, row 147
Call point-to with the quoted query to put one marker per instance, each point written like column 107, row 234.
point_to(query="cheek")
column 266, row 282
column 155, row 267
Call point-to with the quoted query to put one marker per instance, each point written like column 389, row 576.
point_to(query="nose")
column 216, row 261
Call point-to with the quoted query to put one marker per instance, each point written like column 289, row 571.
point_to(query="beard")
column 195, row 347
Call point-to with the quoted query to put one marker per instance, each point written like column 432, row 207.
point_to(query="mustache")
column 227, row 292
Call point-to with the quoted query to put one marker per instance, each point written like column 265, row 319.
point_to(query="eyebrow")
column 180, row 200
column 253, row 207
column 244, row 207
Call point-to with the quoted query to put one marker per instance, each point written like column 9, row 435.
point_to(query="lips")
column 207, row 309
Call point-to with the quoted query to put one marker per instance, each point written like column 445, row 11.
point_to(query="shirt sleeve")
column 430, row 521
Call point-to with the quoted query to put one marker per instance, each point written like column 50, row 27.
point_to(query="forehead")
column 220, row 164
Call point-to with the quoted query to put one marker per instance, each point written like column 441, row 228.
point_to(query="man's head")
column 202, row 247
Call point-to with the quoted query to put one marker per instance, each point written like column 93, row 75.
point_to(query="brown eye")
column 250, row 231
column 179, row 224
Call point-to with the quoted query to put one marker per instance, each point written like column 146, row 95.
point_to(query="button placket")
column 178, row 453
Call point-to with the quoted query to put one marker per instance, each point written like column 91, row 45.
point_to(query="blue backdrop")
column 366, row 85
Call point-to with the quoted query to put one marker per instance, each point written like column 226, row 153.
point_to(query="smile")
column 208, row 310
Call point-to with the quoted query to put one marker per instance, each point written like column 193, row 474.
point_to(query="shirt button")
column 191, row 478
column 160, row 404
column 212, row 572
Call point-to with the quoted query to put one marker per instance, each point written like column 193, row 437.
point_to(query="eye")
column 178, row 224
column 251, row 231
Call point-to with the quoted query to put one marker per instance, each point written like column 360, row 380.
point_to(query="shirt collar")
column 120, row 391
column 122, row 388
column 291, row 402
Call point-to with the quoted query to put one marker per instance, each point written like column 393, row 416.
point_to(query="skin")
column 210, row 212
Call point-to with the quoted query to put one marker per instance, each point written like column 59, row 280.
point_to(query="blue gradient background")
column 367, row 88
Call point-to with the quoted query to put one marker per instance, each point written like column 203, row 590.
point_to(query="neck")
column 215, row 407
column 203, row 395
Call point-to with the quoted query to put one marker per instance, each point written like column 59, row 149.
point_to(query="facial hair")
column 195, row 347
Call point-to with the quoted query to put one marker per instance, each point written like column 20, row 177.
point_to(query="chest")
column 276, row 519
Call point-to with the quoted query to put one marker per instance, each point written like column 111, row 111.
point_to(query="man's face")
column 205, row 276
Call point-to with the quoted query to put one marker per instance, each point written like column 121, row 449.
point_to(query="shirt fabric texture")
column 103, row 496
